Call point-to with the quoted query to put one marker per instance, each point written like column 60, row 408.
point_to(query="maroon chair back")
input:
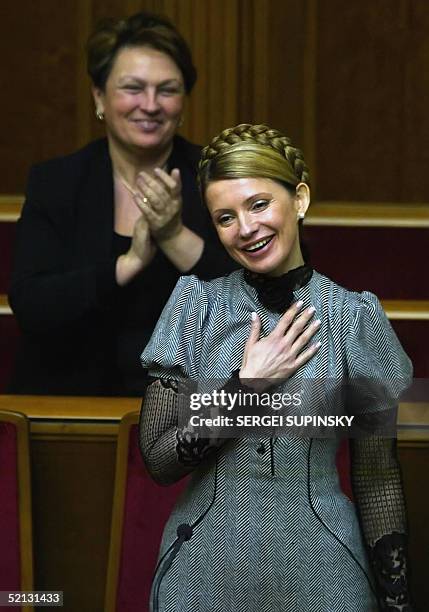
column 140, row 511
column 343, row 468
column 16, row 556
column 10, row 558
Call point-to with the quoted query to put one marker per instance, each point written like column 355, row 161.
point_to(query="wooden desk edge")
column 407, row 310
column 64, row 411
column 322, row 213
column 69, row 408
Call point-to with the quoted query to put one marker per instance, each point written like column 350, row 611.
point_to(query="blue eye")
column 260, row 204
column 225, row 220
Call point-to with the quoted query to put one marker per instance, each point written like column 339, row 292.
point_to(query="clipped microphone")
column 184, row 532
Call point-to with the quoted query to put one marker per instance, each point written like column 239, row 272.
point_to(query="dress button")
column 261, row 449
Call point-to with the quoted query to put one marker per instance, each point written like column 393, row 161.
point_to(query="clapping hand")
column 159, row 197
column 139, row 255
column 142, row 245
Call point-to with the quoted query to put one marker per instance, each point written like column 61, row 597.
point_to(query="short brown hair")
column 141, row 29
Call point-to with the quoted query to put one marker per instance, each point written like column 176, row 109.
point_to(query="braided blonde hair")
column 256, row 151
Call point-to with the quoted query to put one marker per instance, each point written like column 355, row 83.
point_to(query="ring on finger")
column 143, row 199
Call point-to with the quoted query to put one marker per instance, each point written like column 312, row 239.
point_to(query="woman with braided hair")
column 263, row 525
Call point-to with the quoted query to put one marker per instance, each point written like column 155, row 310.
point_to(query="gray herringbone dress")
column 280, row 536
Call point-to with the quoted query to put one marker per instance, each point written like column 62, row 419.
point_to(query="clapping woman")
column 106, row 232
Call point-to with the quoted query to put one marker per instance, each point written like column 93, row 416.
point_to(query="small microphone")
column 184, row 532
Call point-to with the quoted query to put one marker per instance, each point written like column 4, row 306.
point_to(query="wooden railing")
column 46, row 411
column 4, row 305
column 409, row 310
column 368, row 214
column 10, row 208
column 358, row 214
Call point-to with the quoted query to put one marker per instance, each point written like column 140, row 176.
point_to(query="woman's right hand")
column 142, row 245
column 283, row 351
column 140, row 254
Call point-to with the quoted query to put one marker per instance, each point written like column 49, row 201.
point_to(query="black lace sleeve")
column 377, row 487
column 170, row 452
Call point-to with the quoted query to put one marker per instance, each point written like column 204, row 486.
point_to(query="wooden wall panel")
column 37, row 80
column 289, row 41
column 248, row 54
column 415, row 107
column 72, row 480
column 360, row 74
column 414, row 458
column 260, row 60
column 371, row 122
column 197, row 107
column 308, row 98
column 347, row 81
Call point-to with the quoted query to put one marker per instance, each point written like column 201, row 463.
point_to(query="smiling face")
column 256, row 221
column 143, row 99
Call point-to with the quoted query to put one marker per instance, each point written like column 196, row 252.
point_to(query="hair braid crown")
column 261, row 135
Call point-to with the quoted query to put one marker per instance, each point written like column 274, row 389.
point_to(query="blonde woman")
column 263, row 525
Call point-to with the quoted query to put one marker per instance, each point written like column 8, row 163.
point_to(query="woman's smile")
column 260, row 247
column 147, row 124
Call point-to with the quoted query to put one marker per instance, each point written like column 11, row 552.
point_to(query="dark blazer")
column 63, row 290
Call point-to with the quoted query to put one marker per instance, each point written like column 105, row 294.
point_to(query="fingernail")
column 299, row 304
column 318, row 345
column 253, row 316
column 316, row 323
column 311, row 310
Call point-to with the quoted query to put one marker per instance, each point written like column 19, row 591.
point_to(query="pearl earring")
column 99, row 114
column 301, row 215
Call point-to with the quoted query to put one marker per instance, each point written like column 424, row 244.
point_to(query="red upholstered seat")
column 140, row 511
column 10, row 572
column 9, row 335
column 16, row 557
column 343, row 467
column 7, row 239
